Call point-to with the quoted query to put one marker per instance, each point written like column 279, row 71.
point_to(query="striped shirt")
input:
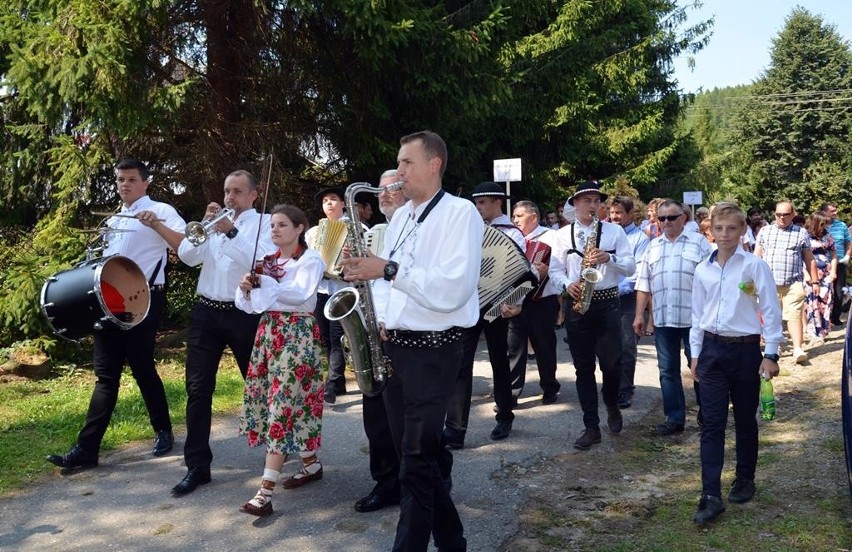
column 666, row 272
column 782, row 251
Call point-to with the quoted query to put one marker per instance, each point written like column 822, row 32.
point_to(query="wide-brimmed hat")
column 336, row 190
column 585, row 188
column 488, row 189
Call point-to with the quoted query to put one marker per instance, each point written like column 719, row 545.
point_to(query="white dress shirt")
column 141, row 244
column 439, row 261
column 719, row 305
column 225, row 261
column 296, row 291
column 503, row 224
column 612, row 239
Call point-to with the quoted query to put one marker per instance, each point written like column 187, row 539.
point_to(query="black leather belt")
column 754, row 338
column 605, row 294
column 218, row 305
column 424, row 340
column 158, row 287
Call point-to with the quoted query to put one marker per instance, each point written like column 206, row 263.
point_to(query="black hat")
column 488, row 189
column 336, row 190
column 586, row 187
column 366, row 198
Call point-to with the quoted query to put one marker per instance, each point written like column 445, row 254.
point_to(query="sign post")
column 508, row 171
column 692, row 199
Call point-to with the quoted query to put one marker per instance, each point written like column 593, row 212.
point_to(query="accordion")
column 538, row 252
column 329, row 241
column 504, row 268
column 374, row 238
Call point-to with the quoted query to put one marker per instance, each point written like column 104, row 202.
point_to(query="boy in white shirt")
column 730, row 292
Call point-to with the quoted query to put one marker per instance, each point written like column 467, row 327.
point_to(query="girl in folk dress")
column 283, row 396
column 818, row 306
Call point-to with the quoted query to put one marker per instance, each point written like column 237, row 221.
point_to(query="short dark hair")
column 296, row 216
column 754, row 210
column 252, row 181
column 671, row 203
column 625, row 202
column 131, row 164
column 529, row 206
column 433, row 145
column 824, row 207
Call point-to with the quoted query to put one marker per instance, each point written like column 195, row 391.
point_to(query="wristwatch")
column 772, row 357
column 232, row 233
column 390, row 270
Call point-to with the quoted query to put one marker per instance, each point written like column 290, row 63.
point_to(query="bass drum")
column 96, row 294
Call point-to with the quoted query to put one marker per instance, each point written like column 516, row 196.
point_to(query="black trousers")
column 629, row 342
column 416, row 399
column 839, row 296
column 595, row 334
column 534, row 323
column 210, row 331
column 330, row 333
column 114, row 347
column 728, row 372
column 384, row 456
column 458, row 413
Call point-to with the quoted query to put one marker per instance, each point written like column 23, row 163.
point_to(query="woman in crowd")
column 818, row 305
column 283, row 396
column 651, row 225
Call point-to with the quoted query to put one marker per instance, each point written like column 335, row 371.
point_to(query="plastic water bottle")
column 767, row 400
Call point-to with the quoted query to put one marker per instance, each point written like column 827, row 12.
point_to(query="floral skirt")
column 818, row 306
column 285, row 384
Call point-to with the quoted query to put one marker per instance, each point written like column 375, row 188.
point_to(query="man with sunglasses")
column 665, row 273
column 786, row 248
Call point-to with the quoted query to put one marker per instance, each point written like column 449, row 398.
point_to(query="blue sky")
column 739, row 48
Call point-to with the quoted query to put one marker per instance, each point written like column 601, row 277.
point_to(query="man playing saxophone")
column 595, row 332
column 384, row 458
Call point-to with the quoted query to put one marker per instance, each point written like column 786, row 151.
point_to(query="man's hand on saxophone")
column 599, row 256
column 368, row 267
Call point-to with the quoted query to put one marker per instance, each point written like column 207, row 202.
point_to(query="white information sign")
column 507, row 170
column 692, row 198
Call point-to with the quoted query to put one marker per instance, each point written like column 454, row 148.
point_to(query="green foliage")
column 792, row 134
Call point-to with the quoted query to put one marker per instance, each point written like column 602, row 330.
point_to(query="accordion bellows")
column 504, row 267
column 329, row 241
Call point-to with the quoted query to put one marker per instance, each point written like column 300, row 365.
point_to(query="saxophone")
column 353, row 308
column 589, row 274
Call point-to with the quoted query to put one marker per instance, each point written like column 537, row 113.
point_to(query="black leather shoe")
column 373, row 502
column 549, row 397
column 330, row 396
column 613, row 419
column 669, row 428
column 587, row 439
column 501, row 431
column 742, row 491
column 75, row 459
column 625, row 400
column 164, row 442
column 194, row 477
column 709, row 509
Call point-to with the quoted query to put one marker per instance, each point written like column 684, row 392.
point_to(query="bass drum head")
column 122, row 291
column 96, row 294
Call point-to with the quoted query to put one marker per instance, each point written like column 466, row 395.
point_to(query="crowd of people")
column 713, row 289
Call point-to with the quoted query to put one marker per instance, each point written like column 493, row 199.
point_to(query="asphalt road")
column 125, row 503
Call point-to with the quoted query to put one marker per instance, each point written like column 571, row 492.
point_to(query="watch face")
column 390, row 270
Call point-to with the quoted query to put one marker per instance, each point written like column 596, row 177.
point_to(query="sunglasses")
column 670, row 218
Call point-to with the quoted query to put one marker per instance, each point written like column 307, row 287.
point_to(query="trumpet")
column 197, row 232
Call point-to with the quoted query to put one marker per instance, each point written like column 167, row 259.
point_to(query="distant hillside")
column 711, row 114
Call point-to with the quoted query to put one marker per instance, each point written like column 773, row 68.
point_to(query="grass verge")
column 43, row 417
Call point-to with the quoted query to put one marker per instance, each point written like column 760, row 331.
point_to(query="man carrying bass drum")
column 144, row 240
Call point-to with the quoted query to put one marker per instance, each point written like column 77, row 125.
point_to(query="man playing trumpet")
column 215, row 322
